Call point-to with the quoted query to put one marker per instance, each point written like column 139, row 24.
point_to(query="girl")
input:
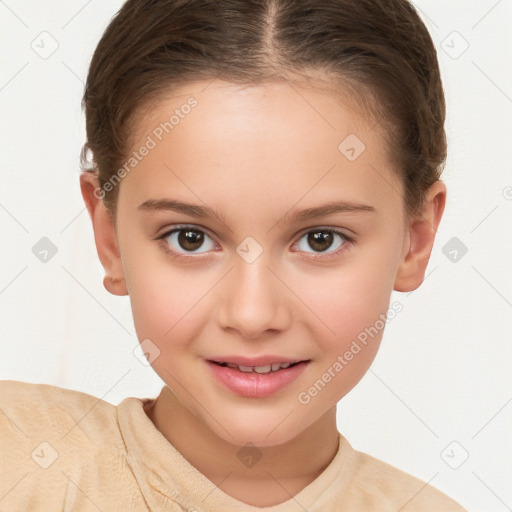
column 260, row 175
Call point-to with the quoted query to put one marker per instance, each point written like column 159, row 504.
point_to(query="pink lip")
column 256, row 385
column 254, row 361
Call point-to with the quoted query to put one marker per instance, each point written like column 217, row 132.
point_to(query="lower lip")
column 256, row 385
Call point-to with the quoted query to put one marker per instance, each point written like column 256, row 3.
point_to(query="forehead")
column 258, row 110
column 262, row 140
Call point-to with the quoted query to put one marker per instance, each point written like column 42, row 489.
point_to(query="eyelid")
column 177, row 227
column 348, row 240
column 345, row 233
column 167, row 232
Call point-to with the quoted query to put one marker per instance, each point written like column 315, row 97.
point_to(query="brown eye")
column 188, row 240
column 321, row 241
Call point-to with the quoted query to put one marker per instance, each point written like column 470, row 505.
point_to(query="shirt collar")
column 165, row 476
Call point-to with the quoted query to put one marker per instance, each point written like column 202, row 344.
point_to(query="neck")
column 267, row 476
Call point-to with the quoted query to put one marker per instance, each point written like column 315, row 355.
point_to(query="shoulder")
column 41, row 418
column 37, row 408
column 60, row 447
column 388, row 488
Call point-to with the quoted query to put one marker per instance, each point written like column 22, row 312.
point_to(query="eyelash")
column 347, row 241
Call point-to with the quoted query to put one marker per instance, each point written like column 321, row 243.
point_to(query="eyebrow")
column 326, row 209
column 193, row 210
column 199, row 211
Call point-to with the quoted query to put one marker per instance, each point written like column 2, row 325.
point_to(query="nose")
column 253, row 301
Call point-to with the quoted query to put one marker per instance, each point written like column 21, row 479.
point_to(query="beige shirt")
column 63, row 450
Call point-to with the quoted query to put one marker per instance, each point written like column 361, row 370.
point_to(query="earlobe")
column 421, row 236
column 104, row 234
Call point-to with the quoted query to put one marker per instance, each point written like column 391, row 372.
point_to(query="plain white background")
column 437, row 400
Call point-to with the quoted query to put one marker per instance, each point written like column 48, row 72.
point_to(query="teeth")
column 263, row 369
column 259, row 369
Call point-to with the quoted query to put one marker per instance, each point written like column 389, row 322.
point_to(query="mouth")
column 268, row 368
column 263, row 378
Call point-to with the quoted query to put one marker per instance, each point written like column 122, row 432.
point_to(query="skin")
column 254, row 154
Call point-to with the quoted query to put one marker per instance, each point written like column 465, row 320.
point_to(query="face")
column 253, row 232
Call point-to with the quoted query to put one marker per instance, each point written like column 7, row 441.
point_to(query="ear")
column 104, row 234
column 421, row 235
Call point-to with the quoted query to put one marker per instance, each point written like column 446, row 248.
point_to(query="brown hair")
column 378, row 50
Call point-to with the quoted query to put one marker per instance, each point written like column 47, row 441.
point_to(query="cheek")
column 348, row 306
column 167, row 301
column 159, row 301
column 346, row 302
column 347, row 325
column 165, row 310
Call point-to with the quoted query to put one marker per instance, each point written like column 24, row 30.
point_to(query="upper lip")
column 255, row 361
